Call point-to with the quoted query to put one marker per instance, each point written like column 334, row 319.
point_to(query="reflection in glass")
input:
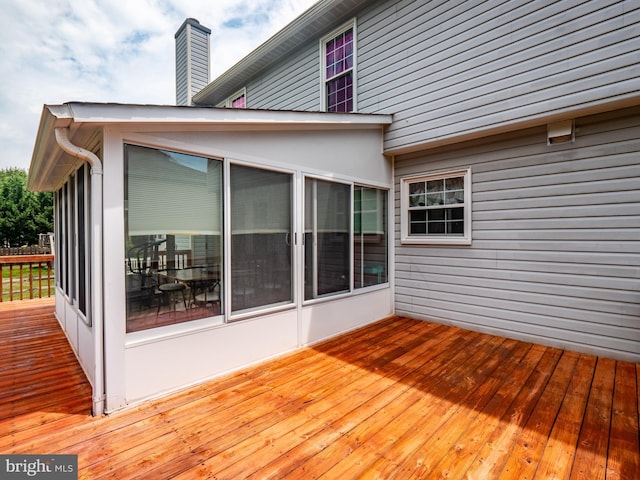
column 437, row 207
column 173, row 237
column 261, row 247
column 327, row 238
column 370, row 250
column 416, row 194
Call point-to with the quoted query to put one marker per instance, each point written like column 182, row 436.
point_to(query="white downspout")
column 62, row 137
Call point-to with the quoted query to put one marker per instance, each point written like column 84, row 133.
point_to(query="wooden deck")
column 397, row 400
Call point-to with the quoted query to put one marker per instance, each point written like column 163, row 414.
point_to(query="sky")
column 121, row 51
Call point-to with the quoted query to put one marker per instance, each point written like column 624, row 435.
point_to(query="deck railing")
column 26, row 277
column 30, row 250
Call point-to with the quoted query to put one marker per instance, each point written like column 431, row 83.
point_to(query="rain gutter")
column 62, row 138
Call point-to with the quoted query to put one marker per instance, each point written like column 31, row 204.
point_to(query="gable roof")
column 314, row 22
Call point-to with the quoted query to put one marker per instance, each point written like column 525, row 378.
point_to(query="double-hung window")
column 436, row 208
column 339, row 59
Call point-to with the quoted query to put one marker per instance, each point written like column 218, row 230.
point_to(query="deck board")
column 401, row 399
column 591, row 451
column 622, row 459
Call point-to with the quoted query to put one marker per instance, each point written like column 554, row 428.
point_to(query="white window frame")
column 323, row 64
column 227, row 103
column 426, row 239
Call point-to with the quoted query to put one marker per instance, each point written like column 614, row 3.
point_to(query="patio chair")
column 168, row 291
column 142, row 281
column 209, row 297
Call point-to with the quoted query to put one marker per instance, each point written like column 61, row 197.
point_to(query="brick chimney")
column 192, row 60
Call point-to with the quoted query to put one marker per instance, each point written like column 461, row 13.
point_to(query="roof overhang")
column 504, row 123
column 50, row 165
column 314, row 22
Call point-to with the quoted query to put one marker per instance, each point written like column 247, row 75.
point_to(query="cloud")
column 112, row 51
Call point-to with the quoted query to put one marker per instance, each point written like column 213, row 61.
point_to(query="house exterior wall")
column 293, row 85
column 555, row 256
column 455, row 68
column 150, row 362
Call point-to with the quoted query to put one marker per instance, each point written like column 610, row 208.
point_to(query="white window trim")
column 226, row 103
column 407, row 239
column 323, row 64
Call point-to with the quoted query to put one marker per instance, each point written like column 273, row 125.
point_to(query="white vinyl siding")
column 199, row 59
column 555, row 257
column 182, row 84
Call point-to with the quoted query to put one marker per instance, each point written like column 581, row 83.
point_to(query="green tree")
column 23, row 214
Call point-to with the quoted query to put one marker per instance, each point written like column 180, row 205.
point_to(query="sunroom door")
column 261, row 225
column 327, row 238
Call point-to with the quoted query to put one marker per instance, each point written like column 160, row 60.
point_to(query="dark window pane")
column 416, row 194
column 435, row 186
column 455, row 183
column 370, row 249
column 418, row 215
column 327, row 238
column 434, row 199
column 71, row 244
column 339, row 54
column 82, row 279
column 415, row 188
column 436, row 214
column 418, row 228
column 455, row 228
column 454, row 197
column 261, row 217
column 173, row 237
column 455, row 213
column 436, row 228
column 418, row 222
column 340, row 93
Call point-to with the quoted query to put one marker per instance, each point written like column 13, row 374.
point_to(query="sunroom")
column 195, row 241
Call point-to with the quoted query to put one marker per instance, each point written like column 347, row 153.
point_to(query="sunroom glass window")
column 173, row 237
